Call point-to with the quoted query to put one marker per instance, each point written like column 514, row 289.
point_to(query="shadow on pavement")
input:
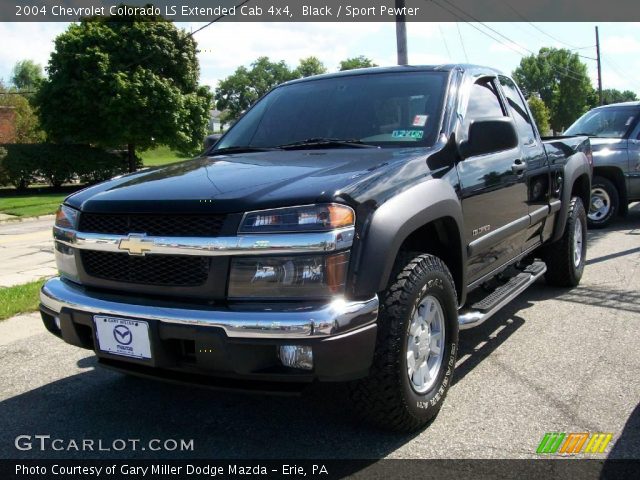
column 622, row 461
column 627, row 442
column 100, row 404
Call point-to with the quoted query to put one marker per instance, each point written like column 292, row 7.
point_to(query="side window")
column 484, row 102
column 518, row 110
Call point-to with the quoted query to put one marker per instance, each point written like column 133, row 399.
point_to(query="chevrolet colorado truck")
column 344, row 229
column 614, row 131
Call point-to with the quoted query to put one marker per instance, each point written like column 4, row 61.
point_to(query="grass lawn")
column 19, row 299
column 160, row 156
column 31, row 205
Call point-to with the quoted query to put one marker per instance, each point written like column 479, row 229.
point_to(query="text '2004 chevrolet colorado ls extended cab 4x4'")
column 337, row 232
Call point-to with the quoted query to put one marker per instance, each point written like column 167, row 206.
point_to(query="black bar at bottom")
column 319, row 469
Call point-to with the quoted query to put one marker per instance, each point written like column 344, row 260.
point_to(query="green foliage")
column 31, row 205
column 561, row 80
column 611, row 95
column 20, row 299
column 356, row 62
column 240, row 90
column 27, row 75
column 540, row 114
column 309, row 66
column 135, row 82
column 27, row 123
column 57, row 164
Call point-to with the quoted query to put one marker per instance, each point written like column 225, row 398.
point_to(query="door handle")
column 518, row 167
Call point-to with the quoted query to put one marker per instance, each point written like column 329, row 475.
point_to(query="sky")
column 226, row 46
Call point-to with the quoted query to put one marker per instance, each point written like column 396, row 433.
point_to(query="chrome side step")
column 487, row 307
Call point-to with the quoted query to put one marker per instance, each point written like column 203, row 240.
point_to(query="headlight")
column 317, row 276
column 66, row 217
column 307, row 218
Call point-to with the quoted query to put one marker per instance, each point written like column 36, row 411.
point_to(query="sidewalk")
column 26, row 251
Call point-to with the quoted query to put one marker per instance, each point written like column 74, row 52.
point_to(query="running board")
column 484, row 309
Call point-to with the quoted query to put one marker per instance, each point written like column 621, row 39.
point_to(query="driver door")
column 493, row 190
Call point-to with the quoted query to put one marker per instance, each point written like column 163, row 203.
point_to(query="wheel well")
column 614, row 175
column 442, row 239
column 581, row 189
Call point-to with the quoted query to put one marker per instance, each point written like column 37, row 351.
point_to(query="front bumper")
column 236, row 341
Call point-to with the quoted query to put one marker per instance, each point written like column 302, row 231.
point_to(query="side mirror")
column 489, row 136
column 211, row 140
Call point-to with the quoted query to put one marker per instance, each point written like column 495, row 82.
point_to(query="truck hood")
column 599, row 144
column 252, row 181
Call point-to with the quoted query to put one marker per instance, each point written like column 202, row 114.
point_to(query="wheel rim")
column 600, row 204
column 425, row 344
column 577, row 243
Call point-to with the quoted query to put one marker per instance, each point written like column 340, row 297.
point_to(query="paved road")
column 26, row 249
column 554, row 360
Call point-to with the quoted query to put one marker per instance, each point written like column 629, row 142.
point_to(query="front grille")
column 163, row 270
column 152, row 225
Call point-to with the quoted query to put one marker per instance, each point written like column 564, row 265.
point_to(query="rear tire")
column 605, row 202
column 565, row 258
column 416, row 348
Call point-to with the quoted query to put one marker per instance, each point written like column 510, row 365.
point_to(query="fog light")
column 296, row 356
column 56, row 320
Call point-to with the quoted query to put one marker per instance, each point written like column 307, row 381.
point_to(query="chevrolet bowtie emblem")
column 135, row 245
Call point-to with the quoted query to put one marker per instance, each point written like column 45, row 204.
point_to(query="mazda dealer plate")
column 122, row 336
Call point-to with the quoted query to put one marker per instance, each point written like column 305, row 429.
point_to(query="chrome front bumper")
column 275, row 321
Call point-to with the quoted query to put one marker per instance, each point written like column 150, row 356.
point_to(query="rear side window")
column 518, row 110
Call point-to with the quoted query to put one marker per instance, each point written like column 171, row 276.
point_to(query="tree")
column 356, row 62
column 241, row 89
column 540, row 114
column 27, row 75
column 308, row 67
column 27, row 124
column 611, row 95
column 560, row 79
column 125, row 81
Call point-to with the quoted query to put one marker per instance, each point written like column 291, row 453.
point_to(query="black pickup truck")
column 339, row 231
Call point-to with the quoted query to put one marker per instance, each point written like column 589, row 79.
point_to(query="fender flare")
column 392, row 223
column 576, row 166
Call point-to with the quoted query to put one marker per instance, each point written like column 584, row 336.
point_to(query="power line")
column 462, row 43
column 219, row 17
column 512, row 45
column 444, row 40
column 189, row 35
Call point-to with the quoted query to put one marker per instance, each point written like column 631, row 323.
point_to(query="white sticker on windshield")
column 420, row 120
column 629, row 120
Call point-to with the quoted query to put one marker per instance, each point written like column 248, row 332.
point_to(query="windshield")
column 386, row 109
column 613, row 122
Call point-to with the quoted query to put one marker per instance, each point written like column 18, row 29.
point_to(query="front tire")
column 416, row 348
column 565, row 258
column 605, row 202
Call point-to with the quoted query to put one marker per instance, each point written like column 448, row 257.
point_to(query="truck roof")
column 477, row 69
column 621, row 104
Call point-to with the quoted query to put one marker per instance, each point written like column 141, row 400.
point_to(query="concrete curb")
column 27, row 219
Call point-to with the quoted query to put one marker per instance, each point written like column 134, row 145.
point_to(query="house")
column 7, row 124
column 214, row 121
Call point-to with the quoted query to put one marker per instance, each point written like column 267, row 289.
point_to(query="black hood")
column 252, row 181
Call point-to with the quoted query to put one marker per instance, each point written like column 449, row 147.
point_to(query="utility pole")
column 599, row 66
column 401, row 33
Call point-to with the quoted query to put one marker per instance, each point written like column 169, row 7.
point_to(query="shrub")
column 58, row 164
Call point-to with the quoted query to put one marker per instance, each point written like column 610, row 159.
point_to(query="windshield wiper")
column 321, row 142
column 240, row 149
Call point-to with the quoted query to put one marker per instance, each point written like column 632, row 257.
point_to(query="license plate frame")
column 124, row 337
